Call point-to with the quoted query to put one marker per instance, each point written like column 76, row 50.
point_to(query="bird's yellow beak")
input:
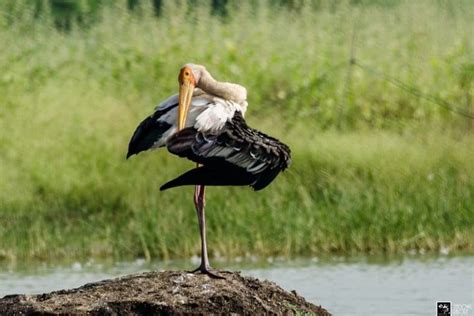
column 187, row 84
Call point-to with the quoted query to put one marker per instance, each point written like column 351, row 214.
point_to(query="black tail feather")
column 211, row 176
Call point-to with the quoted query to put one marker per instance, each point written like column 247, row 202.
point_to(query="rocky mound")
column 169, row 292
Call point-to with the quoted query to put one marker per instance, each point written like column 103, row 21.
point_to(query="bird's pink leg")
column 200, row 203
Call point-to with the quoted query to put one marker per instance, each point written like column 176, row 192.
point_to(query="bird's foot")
column 207, row 271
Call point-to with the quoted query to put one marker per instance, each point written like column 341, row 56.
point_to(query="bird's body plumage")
column 215, row 136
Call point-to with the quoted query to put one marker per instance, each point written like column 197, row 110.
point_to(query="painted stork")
column 205, row 123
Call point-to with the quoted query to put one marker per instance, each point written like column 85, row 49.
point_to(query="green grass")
column 396, row 175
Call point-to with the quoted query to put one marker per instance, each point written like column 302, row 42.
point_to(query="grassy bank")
column 349, row 193
column 397, row 174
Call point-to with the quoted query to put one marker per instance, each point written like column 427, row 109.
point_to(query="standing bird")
column 205, row 123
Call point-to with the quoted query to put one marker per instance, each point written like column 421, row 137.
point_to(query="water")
column 367, row 286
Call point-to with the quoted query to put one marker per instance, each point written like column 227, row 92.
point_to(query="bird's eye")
column 186, row 73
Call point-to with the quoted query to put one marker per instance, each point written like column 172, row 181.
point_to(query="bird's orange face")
column 187, row 83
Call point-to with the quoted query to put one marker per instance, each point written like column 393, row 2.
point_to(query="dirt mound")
column 169, row 292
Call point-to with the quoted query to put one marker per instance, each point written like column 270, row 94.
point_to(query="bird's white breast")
column 217, row 113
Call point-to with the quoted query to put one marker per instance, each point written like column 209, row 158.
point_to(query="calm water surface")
column 365, row 286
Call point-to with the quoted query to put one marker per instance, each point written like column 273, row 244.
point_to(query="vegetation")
column 375, row 169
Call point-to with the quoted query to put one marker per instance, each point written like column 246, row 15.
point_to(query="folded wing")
column 236, row 155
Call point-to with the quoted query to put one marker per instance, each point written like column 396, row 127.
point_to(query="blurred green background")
column 382, row 148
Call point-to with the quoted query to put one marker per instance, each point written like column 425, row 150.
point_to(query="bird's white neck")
column 225, row 90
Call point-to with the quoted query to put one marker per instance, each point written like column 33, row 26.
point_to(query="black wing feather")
column 148, row 132
column 240, row 154
column 207, row 175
